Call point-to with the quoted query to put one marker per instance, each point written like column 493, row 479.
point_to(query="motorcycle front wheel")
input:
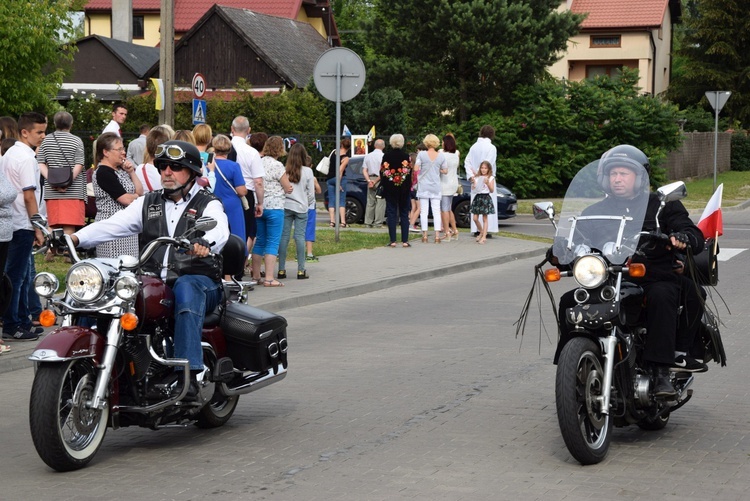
column 579, row 383
column 66, row 432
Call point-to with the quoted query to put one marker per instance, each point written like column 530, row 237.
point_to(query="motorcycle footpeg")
column 223, row 371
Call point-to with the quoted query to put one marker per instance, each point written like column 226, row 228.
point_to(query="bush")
column 558, row 127
column 740, row 152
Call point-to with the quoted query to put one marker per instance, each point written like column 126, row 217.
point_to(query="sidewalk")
column 353, row 273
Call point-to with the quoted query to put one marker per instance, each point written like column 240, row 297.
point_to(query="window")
column 138, row 32
column 605, row 41
column 598, row 70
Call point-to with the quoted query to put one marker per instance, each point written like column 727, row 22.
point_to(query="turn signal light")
column 47, row 318
column 552, row 275
column 637, row 270
column 129, row 321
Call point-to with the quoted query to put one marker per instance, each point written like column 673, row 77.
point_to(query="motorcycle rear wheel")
column 221, row 407
column 587, row 432
column 66, row 433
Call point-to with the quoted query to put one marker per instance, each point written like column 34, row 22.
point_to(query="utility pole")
column 166, row 61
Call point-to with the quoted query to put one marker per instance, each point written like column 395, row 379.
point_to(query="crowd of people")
column 267, row 203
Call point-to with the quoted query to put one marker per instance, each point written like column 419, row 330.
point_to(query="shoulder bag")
column 325, row 164
column 245, row 204
column 60, row 177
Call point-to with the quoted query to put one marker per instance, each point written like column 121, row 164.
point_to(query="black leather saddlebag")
column 256, row 339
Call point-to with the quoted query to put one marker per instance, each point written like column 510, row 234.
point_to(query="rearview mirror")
column 544, row 210
column 672, row 192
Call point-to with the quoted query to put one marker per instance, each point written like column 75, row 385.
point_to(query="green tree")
column 32, row 56
column 558, row 127
column 714, row 54
column 453, row 59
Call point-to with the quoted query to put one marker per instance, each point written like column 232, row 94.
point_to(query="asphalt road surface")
column 420, row 391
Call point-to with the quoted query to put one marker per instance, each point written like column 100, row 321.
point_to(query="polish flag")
column 711, row 223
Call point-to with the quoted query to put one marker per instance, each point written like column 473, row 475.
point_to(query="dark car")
column 356, row 198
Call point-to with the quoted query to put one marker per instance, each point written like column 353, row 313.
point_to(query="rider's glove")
column 681, row 237
column 200, row 241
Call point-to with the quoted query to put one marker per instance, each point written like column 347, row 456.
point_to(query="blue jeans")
column 300, row 223
column 331, row 185
column 17, row 269
column 195, row 295
column 270, row 225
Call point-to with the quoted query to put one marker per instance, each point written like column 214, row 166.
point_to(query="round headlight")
column 126, row 287
column 590, row 271
column 85, row 282
column 46, row 284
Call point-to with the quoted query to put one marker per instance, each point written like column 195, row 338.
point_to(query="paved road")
column 416, row 391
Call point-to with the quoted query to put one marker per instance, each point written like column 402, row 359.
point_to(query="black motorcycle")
column 602, row 380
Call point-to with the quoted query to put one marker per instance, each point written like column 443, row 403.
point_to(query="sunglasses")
column 173, row 167
column 171, row 151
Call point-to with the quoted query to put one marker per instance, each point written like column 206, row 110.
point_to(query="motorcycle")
column 108, row 364
column 601, row 379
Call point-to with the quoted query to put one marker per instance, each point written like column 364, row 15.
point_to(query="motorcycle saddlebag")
column 256, row 339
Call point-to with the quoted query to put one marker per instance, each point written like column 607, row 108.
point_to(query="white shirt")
column 112, row 126
column 153, row 177
column 480, row 151
column 20, row 168
column 129, row 221
column 249, row 160
column 449, row 181
column 372, row 162
column 136, row 149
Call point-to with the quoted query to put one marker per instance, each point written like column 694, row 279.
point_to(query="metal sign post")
column 339, row 76
column 717, row 99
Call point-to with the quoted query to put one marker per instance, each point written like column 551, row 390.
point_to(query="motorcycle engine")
column 642, row 388
column 138, row 355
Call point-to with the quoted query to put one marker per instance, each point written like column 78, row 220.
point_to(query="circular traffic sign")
column 352, row 72
column 199, row 86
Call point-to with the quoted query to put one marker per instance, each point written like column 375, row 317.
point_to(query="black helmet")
column 626, row 156
column 181, row 153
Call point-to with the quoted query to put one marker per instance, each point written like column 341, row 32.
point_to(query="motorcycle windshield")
column 594, row 220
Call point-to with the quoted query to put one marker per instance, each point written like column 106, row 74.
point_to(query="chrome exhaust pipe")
column 254, row 382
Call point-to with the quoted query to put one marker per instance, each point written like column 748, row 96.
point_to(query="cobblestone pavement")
column 418, row 391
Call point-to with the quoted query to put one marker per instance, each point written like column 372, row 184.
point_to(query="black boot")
column 662, row 386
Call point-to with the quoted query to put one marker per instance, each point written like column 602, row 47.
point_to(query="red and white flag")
column 711, row 223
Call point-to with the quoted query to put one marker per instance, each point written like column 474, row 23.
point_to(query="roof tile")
column 187, row 12
column 621, row 14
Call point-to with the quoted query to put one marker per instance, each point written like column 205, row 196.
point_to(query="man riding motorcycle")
column 623, row 174
column 195, row 276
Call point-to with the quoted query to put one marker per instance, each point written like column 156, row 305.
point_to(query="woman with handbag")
column 61, row 159
column 346, row 144
column 229, row 185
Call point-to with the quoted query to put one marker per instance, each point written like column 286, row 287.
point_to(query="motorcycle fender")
column 565, row 338
column 67, row 343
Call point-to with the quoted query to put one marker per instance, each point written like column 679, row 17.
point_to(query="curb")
column 386, row 283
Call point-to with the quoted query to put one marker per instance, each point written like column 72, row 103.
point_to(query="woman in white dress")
column 431, row 164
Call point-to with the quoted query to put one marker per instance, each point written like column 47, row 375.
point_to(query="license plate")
column 513, row 207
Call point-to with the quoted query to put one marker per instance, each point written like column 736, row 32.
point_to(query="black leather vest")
column 155, row 226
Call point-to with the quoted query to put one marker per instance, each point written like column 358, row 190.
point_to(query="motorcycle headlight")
column 85, row 282
column 590, row 271
column 46, row 284
column 126, row 287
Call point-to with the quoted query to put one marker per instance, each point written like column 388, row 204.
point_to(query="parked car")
column 356, row 198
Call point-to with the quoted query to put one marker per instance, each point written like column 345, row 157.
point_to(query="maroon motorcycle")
column 109, row 363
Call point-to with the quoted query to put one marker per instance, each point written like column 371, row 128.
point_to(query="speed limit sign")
column 199, row 86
